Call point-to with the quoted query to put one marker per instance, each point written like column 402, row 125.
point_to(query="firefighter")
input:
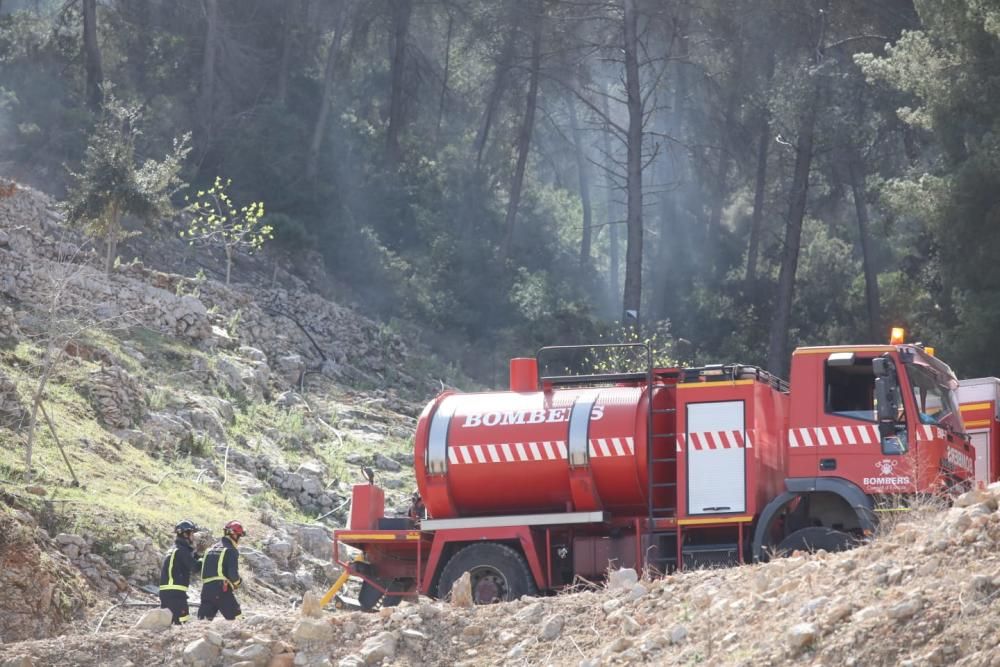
column 175, row 575
column 220, row 575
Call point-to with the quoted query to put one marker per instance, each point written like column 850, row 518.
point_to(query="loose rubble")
column 898, row 600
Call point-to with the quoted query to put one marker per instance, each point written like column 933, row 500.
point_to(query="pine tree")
column 111, row 184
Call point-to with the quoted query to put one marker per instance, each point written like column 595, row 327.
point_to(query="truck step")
column 658, row 485
column 670, row 460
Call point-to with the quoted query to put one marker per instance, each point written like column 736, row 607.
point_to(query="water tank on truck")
column 567, row 449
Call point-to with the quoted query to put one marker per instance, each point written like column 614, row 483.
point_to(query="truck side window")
column 849, row 390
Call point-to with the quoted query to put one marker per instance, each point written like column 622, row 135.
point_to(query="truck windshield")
column 935, row 399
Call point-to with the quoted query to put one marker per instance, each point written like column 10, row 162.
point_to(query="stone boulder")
column 314, row 540
column 9, row 331
column 42, row 591
column 12, row 412
column 168, row 433
column 155, row 619
column 118, row 399
column 290, row 368
column 242, row 377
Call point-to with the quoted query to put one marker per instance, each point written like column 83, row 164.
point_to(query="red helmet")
column 234, row 529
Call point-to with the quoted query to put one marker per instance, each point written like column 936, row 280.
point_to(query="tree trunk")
column 52, row 356
column 445, row 76
column 759, row 191
column 672, row 255
column 614, row 262
column 583, row 172
column 319, row 129
column 401, row 12
column 111, row 240
column 206, row 100
column 777, row 354
column 632, row 298
column 287, row 39
column 229, row 262
column 92, row 55
column 760, row 181
column 499, row 83
column 524, row 137
column 871, row 277
column 714, row 229
column 144, row 22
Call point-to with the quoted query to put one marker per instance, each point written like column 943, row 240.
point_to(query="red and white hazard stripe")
column 712, row 440
column 927, row 432
column 836, row 436
column 543, row 450
column 612, row 447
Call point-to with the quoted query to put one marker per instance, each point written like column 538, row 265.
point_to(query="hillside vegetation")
column 171, row 398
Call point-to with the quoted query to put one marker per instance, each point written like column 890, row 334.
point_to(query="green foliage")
column 947, row 71
column 656, row 337
column 111, row 182
column 417, row 240
column 215, row 219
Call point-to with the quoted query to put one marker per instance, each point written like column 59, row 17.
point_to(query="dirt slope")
column 922, row 594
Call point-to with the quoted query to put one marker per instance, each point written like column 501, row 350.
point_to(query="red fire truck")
column 565, row 474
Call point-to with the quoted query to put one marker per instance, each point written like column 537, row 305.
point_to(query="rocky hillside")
column 923, row 593
column 156, row 396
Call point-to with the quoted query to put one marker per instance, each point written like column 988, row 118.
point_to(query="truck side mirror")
column 887, row 396
column 886, row 400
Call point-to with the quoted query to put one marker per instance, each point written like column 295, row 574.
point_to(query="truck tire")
column 815, row 538
column 499, row 573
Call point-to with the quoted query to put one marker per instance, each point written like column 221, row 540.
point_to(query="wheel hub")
column 488, row 586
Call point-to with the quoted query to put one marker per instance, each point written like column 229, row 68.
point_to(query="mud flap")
column 369, row 596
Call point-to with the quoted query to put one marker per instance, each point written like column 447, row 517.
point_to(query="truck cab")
column 868, row 427
column 915, row 443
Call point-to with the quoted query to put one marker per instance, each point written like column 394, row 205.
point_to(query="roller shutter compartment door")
column 716, row 454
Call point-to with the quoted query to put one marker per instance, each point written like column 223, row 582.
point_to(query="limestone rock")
column 380, row 647
column 155, row 619
column 383, row 462
column 312, row 630
column 802, row 635
column 623, row 579
column 12, row 411
column 905, row 609
column 461, row 591
column 9, row 330
column 118, row 399
column 311, row 605
column 678, row 634
column 314, row 540
column 201, row 653
column 42, row 591
column 289, row 368
column 552, row 627
column 18, row 661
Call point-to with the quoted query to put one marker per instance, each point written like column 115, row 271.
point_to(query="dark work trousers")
column 214, row 599
column 177, row 603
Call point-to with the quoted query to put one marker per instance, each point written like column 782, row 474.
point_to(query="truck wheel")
column 814, row 538
column 498, row 573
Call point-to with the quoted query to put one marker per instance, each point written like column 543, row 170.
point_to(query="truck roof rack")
column 732, row 372
column 570, row 357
